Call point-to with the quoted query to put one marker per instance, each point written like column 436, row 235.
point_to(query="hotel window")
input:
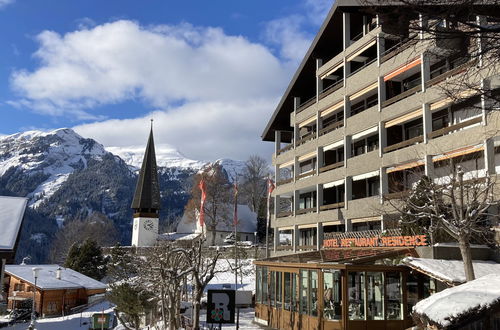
column 356, row 292
column 394, row 296
column 332, row 305
column 375, row 296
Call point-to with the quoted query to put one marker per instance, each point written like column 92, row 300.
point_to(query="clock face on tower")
column 148, row 225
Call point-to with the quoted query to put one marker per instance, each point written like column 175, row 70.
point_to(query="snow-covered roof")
column 11, row 216
column 449, row 306
column 47, row 279
column 451, row 271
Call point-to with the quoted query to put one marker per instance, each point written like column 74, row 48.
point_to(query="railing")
column 362, row 234
column 406, row 143
column 303, row 175
column 452, row 72
column 284, row 181
column 331, row 166
column 306, row 104
column 330, row 89
column 284, row 214
column 331, row 206
column 304, row 211
column 398, row 48
column 305, row 138
column 397, row 195
column 284, row 149
column 403, row 95
column 331, row 127
column 446, row 130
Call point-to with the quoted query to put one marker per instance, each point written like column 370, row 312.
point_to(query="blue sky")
column 209, row 72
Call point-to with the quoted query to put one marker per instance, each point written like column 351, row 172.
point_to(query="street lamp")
column 36, row 271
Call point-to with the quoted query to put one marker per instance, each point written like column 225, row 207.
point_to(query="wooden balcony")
column 284, row 181
column 332, row 206
column 305, row 211
column 404, row 144
column 306, row 104
column 285, row 149
column 331, row 127
column 284, row 214
column 306, row 174
column 446, row 130
column 403, row 95
column 331, row 167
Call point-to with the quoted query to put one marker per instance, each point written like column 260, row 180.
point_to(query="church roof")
column 147, row 191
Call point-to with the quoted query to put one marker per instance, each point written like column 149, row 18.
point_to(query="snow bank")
column 448, row 306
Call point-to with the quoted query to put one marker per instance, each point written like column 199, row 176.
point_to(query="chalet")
column 11, row 218
column 57, row 290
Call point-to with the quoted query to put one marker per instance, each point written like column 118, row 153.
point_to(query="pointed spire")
column 147, row 191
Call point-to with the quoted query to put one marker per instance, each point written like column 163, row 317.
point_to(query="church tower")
column 146, row 203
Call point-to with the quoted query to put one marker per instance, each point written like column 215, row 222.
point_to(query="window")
column 375, row 296
column 356, row 292
column 332, row 303
column 394, row 295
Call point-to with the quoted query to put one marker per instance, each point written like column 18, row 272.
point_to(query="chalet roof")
column 147, row 191
column 11, row 216
column 47, row 280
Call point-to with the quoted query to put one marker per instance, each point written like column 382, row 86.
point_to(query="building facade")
column 365, row 116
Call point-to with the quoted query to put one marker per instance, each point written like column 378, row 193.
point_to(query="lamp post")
column 36, row 271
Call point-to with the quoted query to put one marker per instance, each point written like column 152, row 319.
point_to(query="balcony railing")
column 446, row 130
column 305, row 174
column 330, row 89
column 306, row 104
column 332, row 206
column 331, row 167
column 331, row 127
column 305, row 138
column 284, row 181
column 406, row 143
column 284, row 214
column 285, row 149
column 450, row 73
column 398, row 48
column 397, row 195
column 403, row 95
column 304, row 211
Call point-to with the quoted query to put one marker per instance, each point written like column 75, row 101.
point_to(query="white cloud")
column 4, row 3
column 157, row 65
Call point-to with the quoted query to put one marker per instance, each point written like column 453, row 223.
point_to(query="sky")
column 210, row 73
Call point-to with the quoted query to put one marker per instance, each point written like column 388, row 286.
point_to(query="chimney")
column 58, row 273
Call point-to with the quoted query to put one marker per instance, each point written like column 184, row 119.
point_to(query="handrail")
column 284, row 214
column 397, row 195
column 403, row 95
column 330, row 89
column 305, row 174
column 304, row 211
column 305, row 138
column 449, row 73
column 331, row 166
column 331, row 127
column 332, row 206
column 405, row 143
column 286, row 148
column 398, row 48
column 445, row 130
column 284, row 181
column 306, row 104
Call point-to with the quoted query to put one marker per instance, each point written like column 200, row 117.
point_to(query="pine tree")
column 87, row 259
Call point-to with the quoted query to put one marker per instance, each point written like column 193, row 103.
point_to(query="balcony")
column 404, row 144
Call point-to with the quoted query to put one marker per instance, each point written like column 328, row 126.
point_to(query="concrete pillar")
column 277, row 141
column 425, row 67
column 427, row 121
column 319, row 236
column 380, row 47
column 319, row 81
column 381, row 92
column 319, row 196
column 347, row 29
column 382, row 138
column 429, row 166
column 347, row 148
column 276, row 239
column 384, row 183
column 347, row 190
column 489, row 156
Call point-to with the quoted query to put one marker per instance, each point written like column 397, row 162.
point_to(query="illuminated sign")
column 382, row 241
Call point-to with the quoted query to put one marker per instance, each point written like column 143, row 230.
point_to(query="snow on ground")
column 70, row 322
column 451, row 271
column 445, row 306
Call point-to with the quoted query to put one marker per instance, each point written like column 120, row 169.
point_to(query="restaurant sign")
column 376, row 241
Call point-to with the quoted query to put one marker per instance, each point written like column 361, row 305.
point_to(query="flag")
column 202, row 203
column 235, row 214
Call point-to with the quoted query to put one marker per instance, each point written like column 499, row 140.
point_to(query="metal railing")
column 403, row 144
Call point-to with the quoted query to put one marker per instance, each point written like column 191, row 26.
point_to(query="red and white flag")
column 202, row 187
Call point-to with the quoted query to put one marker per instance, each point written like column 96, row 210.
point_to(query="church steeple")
column 147, row 192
